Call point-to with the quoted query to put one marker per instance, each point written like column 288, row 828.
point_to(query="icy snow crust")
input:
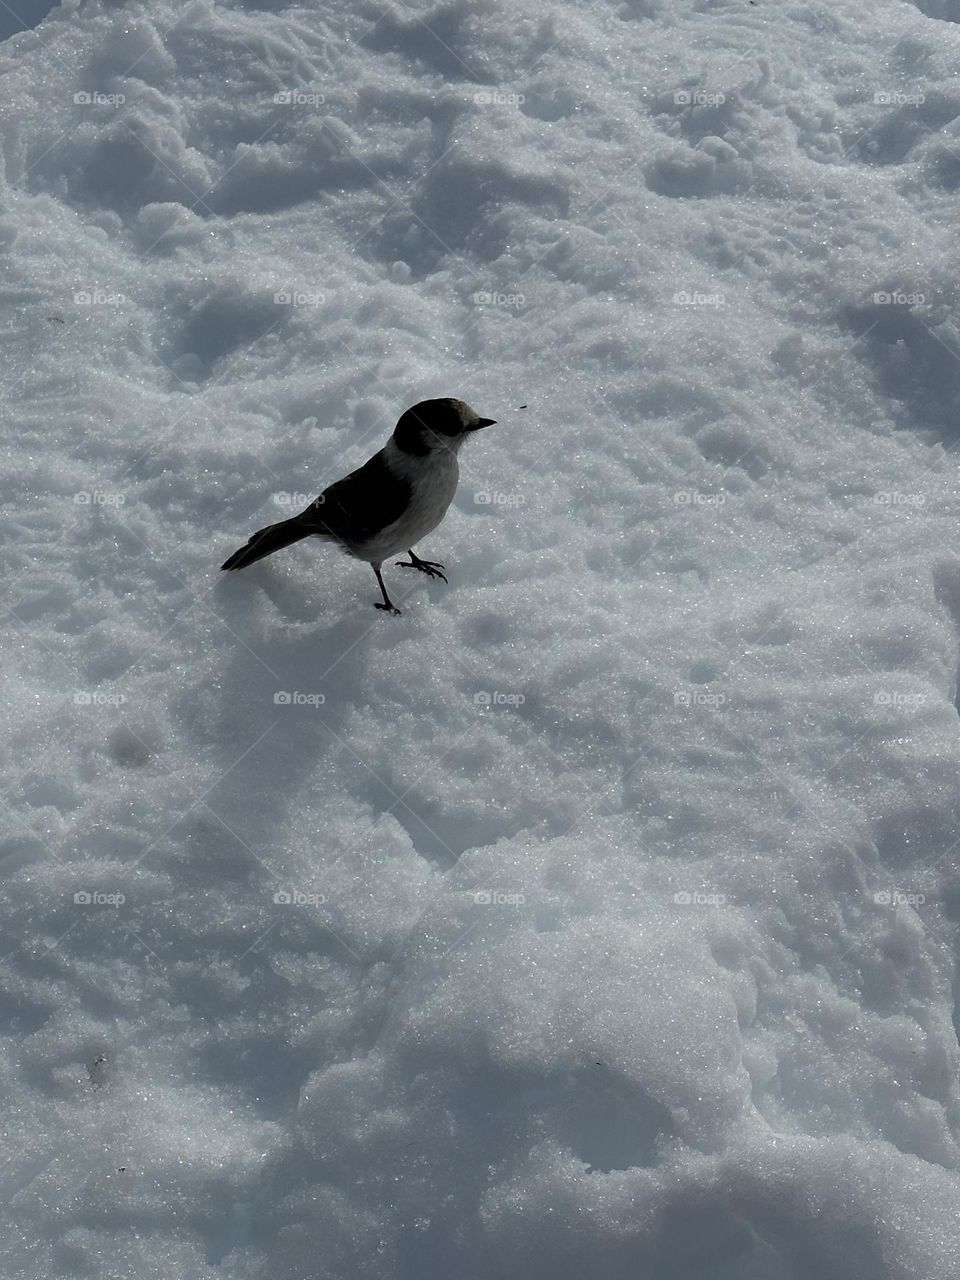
column 596, row 917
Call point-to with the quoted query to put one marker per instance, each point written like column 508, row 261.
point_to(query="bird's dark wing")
column 361, row 504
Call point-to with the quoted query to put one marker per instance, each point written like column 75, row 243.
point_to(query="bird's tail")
column 265, row 541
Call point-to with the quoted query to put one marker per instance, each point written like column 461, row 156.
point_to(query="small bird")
column 389, row 503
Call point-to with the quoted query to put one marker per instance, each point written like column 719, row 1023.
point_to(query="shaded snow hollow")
column 598, row 916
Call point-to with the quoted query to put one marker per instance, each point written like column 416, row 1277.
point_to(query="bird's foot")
column 387, row 608
column 432, row 568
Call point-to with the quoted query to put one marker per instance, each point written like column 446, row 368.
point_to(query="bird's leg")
column 432, row 568
column 388, row 606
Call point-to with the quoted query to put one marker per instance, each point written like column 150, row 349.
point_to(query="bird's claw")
column 387, row 608
column 432, row 568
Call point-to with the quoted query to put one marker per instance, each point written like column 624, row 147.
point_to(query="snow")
column 598, row 915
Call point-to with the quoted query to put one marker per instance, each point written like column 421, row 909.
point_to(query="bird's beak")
column 483, row 422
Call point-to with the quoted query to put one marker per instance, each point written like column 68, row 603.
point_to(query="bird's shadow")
column 269, row 719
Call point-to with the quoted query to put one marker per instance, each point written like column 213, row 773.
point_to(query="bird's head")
column 437, row 424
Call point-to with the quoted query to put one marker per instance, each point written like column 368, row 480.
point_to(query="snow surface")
column 598, row 916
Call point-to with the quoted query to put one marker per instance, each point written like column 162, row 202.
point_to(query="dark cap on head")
column 436, row 423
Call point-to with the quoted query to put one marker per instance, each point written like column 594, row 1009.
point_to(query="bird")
column 386, row 506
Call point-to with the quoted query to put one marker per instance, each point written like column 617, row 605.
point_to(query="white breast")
column 433, row 481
